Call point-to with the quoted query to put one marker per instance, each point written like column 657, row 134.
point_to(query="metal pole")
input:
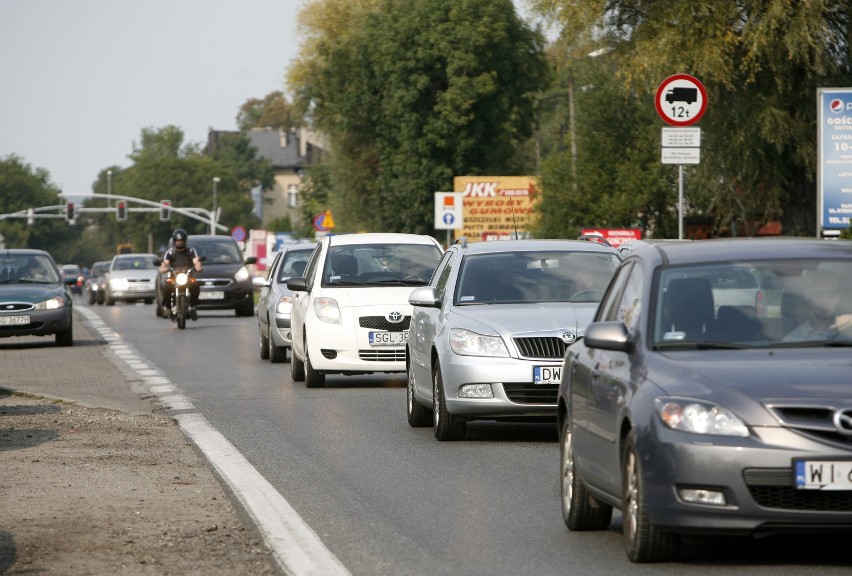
column 680, row 201
column 216, row 180
column 109, row 188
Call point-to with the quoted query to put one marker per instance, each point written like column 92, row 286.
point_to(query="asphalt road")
column 386, row 498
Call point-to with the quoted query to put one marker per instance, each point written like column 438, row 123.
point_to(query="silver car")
column 693, row 417
column 131, row 277
column 276, row 300
column 489, row 332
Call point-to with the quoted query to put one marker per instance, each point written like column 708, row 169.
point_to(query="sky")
column 81, row 79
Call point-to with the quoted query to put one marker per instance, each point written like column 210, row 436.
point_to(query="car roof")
column 533, row 245
column 24, row 251
column 380, row 238
column 133, row 255
column 722, row 249
column 209, row 237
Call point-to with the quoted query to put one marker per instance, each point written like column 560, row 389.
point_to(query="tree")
column 413, row 93
column 274, row 111
column 761, row 62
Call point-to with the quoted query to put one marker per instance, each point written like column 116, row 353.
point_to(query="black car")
column 95, row 284
column 35, row 299
column 225, row 281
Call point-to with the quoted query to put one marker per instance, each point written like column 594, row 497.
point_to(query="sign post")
column 681, row 101
column 449, row 212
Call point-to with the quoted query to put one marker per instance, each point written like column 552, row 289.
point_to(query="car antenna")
column 514, row 221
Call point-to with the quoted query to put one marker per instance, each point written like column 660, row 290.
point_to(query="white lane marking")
column 296, row 547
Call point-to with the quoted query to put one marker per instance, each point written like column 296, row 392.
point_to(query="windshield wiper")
column 699, row 345
column 344, row 283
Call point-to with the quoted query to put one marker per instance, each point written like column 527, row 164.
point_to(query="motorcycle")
column 179, row 285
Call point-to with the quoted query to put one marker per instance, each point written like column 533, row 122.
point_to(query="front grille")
column 522, row 393
column 549, row 347
column 15, row 306
column 382, row 323
column 773, row 488
column 388, row 355
column 816, row 422
column 140, row 280
column 213, row 282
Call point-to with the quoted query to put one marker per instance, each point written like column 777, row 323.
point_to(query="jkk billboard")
column 496, row 207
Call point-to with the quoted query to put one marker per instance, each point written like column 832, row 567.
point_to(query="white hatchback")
column 350, row 311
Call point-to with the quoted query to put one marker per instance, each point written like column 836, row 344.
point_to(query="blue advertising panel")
column 834, row 180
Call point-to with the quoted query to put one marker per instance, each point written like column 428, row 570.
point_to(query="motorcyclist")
column 180, row 257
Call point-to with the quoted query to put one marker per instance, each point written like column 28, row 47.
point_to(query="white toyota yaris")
column 350, row 310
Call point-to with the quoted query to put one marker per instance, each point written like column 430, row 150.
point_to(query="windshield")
column 139, row 262
column 223, row 251
column 27, row 268
column 754, row 304
column 380, row 264
column 526, row 276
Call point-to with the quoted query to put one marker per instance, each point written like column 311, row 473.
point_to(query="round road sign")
column 681, row 100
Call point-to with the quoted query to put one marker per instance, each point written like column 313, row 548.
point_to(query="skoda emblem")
column 843, row 421
column 569, row 336
column 395, row 317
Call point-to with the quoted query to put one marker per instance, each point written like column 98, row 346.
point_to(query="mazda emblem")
column 843, row 421
column 395, row 317
column 569, row 336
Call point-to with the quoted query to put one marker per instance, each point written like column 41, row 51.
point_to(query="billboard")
column 834, row 176
column 496, row 207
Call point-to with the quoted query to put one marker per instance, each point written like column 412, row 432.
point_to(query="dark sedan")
column 35, row 299
column 695, row 415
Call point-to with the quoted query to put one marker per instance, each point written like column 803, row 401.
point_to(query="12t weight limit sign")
column 681, row 100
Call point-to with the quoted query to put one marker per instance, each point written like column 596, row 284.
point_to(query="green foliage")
column 415, row 93
column 761, row 62
column 274, row 111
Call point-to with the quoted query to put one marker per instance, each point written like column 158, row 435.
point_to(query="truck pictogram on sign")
column 687, row 95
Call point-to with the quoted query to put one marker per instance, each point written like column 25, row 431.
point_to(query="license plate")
column 547, row 374
column 388, row 338
column 823, row 474
column 14, row 320
column 212, row 295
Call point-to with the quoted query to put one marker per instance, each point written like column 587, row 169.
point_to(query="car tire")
column 580, row 510
column 66, row 337
column 264, row 344
column 275, row 354
column 445, row 425
column 313, row 379
column 90, row 298
column 108, row 301
column 643, row 541
column 247, row 310
column 418, row 416
column 297, row 369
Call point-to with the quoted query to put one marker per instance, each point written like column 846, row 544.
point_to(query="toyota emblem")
column 569, row 336
column 395, row 317
column 843, row 421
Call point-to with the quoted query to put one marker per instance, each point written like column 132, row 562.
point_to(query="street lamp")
column 109, row 187
column 216, row 181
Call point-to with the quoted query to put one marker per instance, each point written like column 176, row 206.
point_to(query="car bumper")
column 281, row 331
column 42, row 323
column 511, row 379
column 224, row 295
column 133, row 294
column 336, row 349
column 755, row 475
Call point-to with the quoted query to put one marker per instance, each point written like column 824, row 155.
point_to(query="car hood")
column 30, row 292
column 353, row 297
column 747, row 380
column 516, row 319
column 144, row 273
column 219, row 270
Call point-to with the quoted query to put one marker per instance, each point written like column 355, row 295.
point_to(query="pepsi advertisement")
column 834, row 185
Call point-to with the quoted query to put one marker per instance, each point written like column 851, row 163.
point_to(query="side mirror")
column 425, row 297
column 608, row 336
column 297, row 284
column 260, row 282
column 251, row 260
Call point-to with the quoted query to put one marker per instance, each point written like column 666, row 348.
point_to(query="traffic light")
column 165, row 210
column 121, row 211
column 69, row 211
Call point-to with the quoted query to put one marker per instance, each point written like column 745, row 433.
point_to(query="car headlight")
column 119, row 283
column 467, row 343
column 327, row 310
column 284, row 305
column 242, row 274
column 50, row 304
column 699, row 417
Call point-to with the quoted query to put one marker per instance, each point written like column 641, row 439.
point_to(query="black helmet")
column 179, row 234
